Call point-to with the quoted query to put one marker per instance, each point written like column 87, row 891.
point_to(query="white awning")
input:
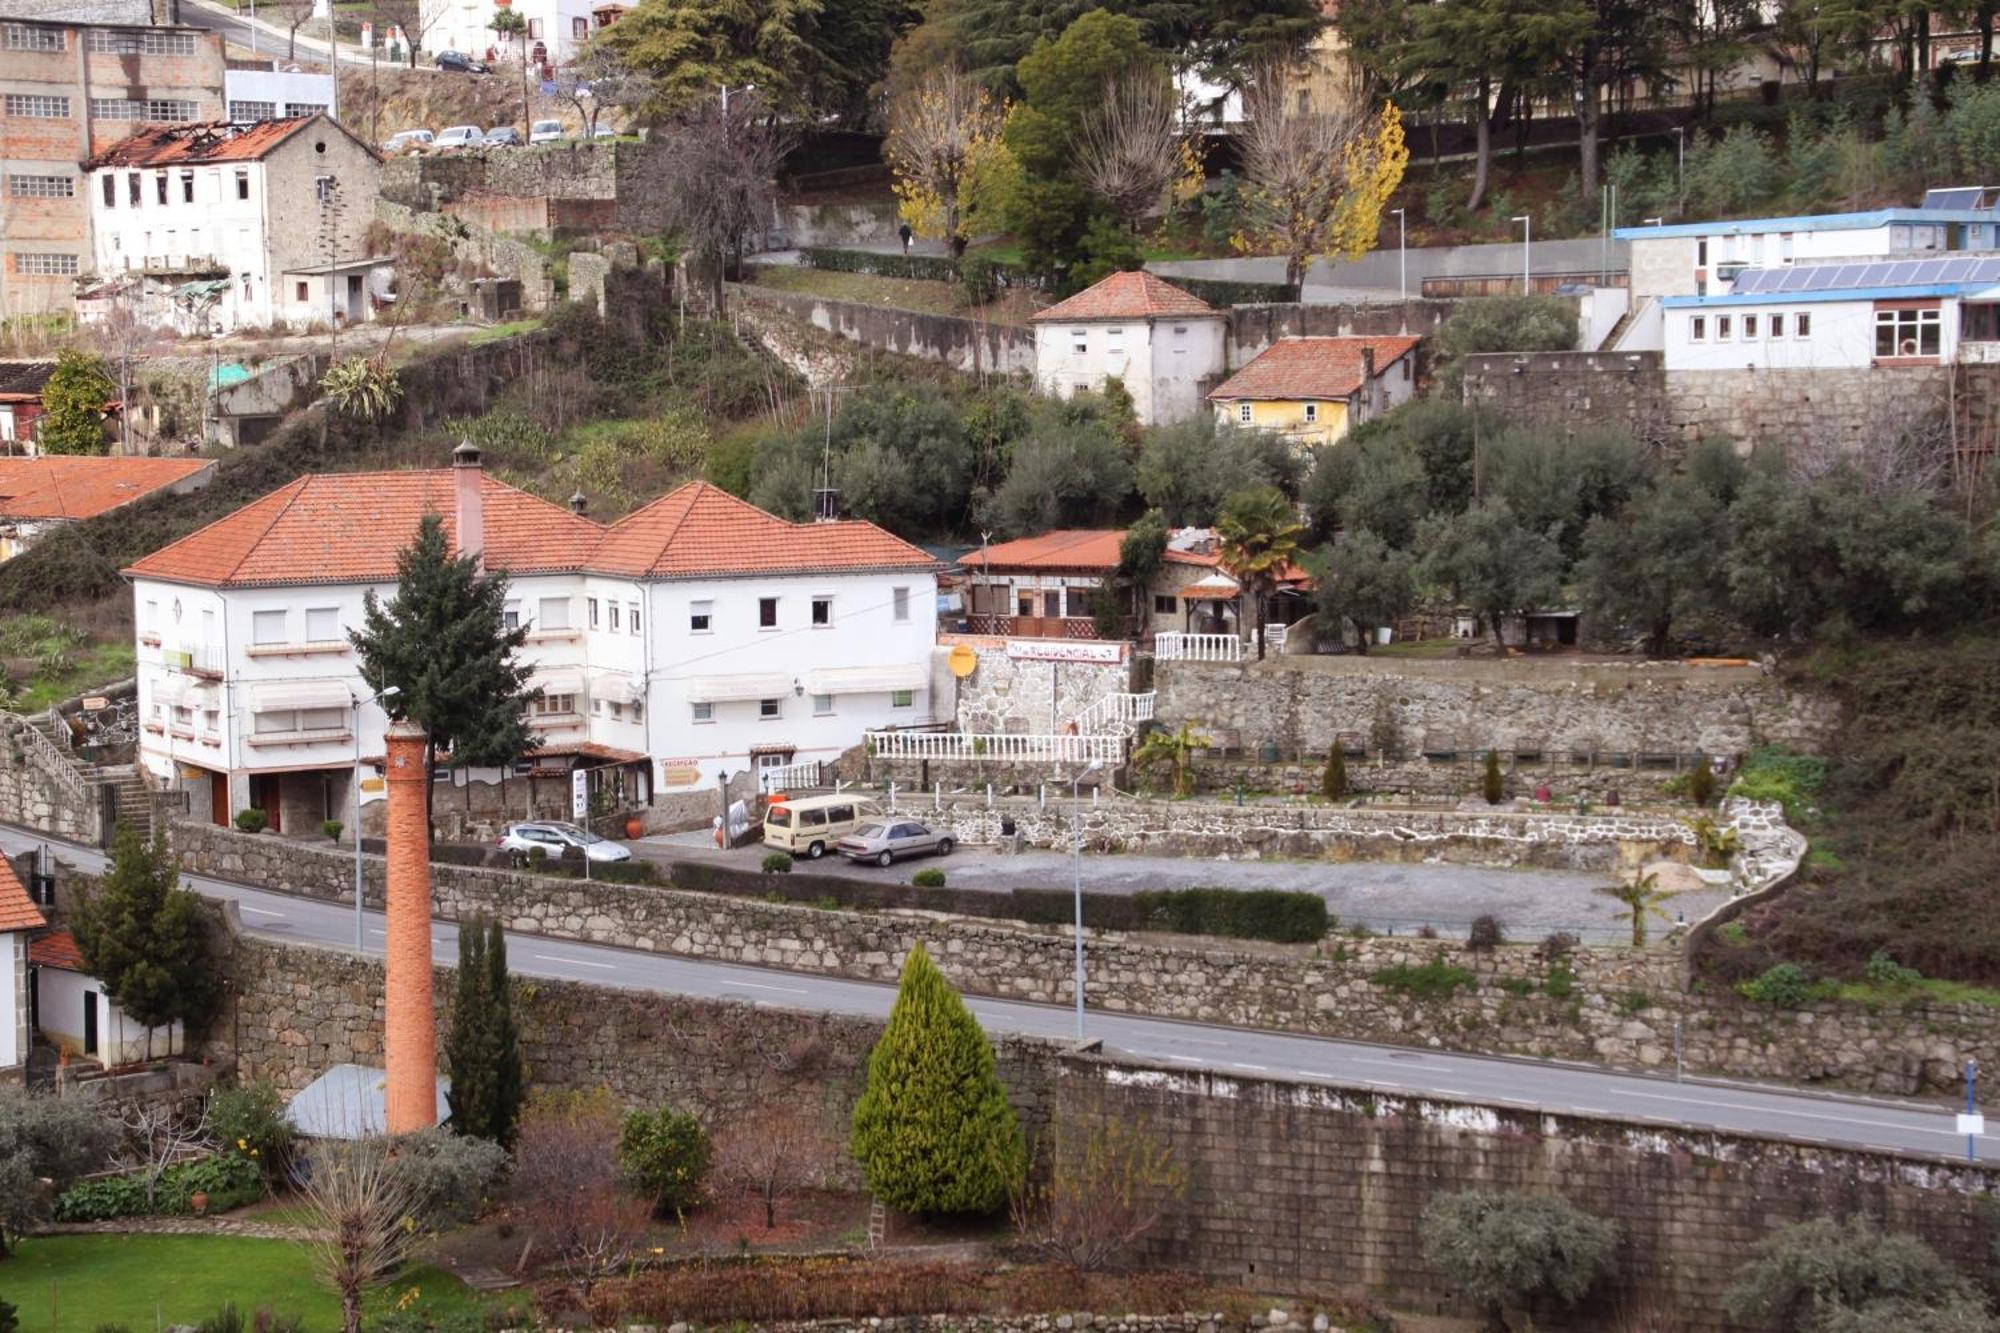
column 557, row 682
column 170, row 689
column 303, row 694
column 616, row 689
column 868, row 680
column 750, row 685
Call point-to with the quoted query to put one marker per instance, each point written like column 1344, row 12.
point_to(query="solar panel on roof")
column 1955, row 197
column 1876, row 273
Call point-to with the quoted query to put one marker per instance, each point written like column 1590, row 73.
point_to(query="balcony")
column 201, row 663
column 325, row 648
column 318, row 736
column 180, row 266
column 1040, row 627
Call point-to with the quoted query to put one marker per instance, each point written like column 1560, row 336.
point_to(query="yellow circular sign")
column 962, row 661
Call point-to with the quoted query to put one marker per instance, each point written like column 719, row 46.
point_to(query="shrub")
column 928, row 878
column 976, row 273
column 451, row 1175
column 1772, row 773
column 1425, row 981
column 1557, row 945
column 666, row 1152
column 252, row 820
column 777, row 863
column 1701, row 783
column 1561, row 983
column 1286, row 916
column 1786, row 986
column 1883, row 970
column 46, row 1144
column 1225, row 291
column 1826, row 1274
column 1505, row 1250
column 933, row 1132
column 229, row 1179
column 1486, row 933
column 569, row 1185
column 251, row 1117
column 1493, row 784
column 332, row 828
column 1106, row 1186
column 1333, row 783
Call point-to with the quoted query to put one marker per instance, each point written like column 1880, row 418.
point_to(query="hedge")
column 931, row 268
column 1284, row 915
column 230, row 1180
column 1225, row 292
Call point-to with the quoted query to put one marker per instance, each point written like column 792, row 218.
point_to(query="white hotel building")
column 693, row 640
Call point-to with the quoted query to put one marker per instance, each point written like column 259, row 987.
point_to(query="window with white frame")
column 20, row 37
column 1908, row 332
column 899, row 601
column 322, row 624
column 1725, row 328
column 553, row 613
column 1243, row 413
column 295, row 721
column 632, row 617
column 1312, row 413
column 701, row 617
column 510, row 615
column 768, row 709
column 617, row 711
column 554, row 705
column 42, row 187
column 159, row 110
column 37, row 106
column 46, row 266
column 1114, row 341
column 822, row 705
column 150, row 620
column 105, row 41
column 1801, row 324
column 1777, row 323
column 1749, row 328
column 211, row 721
column 184, row 715
column 267, row 627
column 702, row 712
column 902, row 698
column 767, row 613
column 1697, row 328
column 591, row 603
column 822, row 612
column 614, row 617
column 1079, row 341
column 638, row 711
column 253, row 110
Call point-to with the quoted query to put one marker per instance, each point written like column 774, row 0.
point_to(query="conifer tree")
column 933, row 1131
column 1493, row 786
column 1333, row 785
column 444, row 644
column 483, row 1050
column 146, row 938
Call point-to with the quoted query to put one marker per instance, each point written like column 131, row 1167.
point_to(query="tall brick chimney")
column 409, row 1039
column 466, row 476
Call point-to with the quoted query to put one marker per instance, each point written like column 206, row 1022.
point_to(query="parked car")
column 546, row 131
column 810, row 825
column 882, row 841
column 603, row 131
column 554, row 838
column 459, row 136
column 461, row 62
column 502, row 136
column 406, row 141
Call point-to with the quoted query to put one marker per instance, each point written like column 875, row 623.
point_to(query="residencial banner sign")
column 1064, row 650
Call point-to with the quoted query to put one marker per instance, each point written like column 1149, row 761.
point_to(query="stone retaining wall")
column 970, row 346
column 1617, row 1006
column 1291, row 1186
column 1418, row 776
column 32, row 797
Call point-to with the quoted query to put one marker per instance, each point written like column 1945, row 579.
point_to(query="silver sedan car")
column 885, row 841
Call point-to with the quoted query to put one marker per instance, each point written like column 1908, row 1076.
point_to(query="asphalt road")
column 271, row 39
column 1537, row 1085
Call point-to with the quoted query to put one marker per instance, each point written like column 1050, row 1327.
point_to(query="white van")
column 810, row 825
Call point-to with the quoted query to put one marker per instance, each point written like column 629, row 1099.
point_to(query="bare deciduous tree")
column 943, row 134
column 771, row 1156
column 1131, row 153
column 124, row 337
column 1100, row 1190
column 363, row 1208
column 294, row 14
column 600, row 80
column 567, row 1179
column 160, row 1134
column 716, row 174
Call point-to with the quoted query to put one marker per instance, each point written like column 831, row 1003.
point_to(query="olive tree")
column 1504, row 1251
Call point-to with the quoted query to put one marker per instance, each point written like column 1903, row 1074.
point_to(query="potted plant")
column 198, row 1202
column 634, row 826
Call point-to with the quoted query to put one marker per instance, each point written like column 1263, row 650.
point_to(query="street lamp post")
column 1680, row 170
column 1402, row 255
column 1076, row 866
column 360, row 918
column 1527, row 279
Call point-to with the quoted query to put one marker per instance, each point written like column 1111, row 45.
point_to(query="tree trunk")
column 1260, row 625
column 1361, row 633
column 770, row 1210
column 1656, row 642
column 350, row 1310
column 1482, row 161
column 1986, row 40
column 1295, row 275
column 1499, row 638
column 1589, row 114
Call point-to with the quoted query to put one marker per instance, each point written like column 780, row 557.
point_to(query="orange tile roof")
column 56, row 949
column 17, row 909
column 59, row 486
column 1307, row 368
column 1135, row 294
column 1071, row 548
column 700, row 529
column 348, row 527
column 215, row 141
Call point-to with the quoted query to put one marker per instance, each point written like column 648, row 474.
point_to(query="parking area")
column 1387, row 897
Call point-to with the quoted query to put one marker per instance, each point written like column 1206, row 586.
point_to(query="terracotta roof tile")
column 1073, row 548
column 1309, row 368
column 1136, row 294
column 59, row 486
column 56, row 949
column 24, row 379
column 700, row 529
column 17, row 909
column 216, row 141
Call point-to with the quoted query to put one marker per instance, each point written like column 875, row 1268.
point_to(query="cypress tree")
column 933, row 1132
column 482, row 1050
column 1493, row 786
column 1333, row 785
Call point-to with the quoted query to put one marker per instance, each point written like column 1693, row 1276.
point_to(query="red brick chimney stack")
column 409, row 1016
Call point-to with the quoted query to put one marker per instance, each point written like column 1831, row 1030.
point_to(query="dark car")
column 461, row 62
column 503, row 136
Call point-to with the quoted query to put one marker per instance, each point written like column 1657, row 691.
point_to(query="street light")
column 360, row 927
column 1652, row 222
column 1527, row 226
column 1076, row 860
column 1680, row 170
column 746, row 88
column 1402, row 255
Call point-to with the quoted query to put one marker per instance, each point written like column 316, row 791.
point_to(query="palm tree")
column 1260, row 532
column 1175, row 749
column 1641, row 898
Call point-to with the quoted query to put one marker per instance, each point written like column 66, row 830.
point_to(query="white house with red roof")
column 1165, row 345
column 19, row 918
column 695, row 638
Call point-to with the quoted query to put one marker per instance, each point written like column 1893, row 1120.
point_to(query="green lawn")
column 143, row 1282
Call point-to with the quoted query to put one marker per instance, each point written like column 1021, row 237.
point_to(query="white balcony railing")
column 789, row 777
column 1115, row 714
column 965, row 745
column 1174, row 646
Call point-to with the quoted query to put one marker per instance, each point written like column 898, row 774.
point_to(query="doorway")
column 90, row 1022
column 354, row 310
column 218, row 799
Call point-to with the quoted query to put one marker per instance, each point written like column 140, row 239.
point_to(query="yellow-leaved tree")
column 952, row 170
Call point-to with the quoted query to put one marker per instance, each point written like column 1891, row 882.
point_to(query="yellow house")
column 1311, row 390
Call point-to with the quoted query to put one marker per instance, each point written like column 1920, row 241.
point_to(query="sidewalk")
column 281, row 40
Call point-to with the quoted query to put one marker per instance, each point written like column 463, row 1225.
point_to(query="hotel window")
column 767, row 613
column 592, row 604
column 902, row 698
column 42, row 187
column 632, row 618
column 899, row 599
column 1243, row 413
column 822, row 611
column 38, row 107
column 554, row 613
column 1801, row 325
column 703, row 712
column 1312, row 413
column 21, row 38
column 770, row 708
column 267, row 627
column 614, row 617
column 1698, row 328
column 1908, row 332
column 701, row 617
column 322, row 624
column 822, row 705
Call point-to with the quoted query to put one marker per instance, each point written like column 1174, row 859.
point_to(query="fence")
column 1116, row 711
column 1178, row 647
column 789, row 777
column 965, row 745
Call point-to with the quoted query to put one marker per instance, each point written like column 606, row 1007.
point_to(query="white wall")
column 290, row 93
column 1842, row 337
column 462, row 25
column 13, row 1022
column 1602, row 310
column 218, row 223
column 1166, row 365
column 60, row 999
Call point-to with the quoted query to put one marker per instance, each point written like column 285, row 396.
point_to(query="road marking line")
column 579, row 962
column 750, row 985
column 260, row 911
column 1237, row 1064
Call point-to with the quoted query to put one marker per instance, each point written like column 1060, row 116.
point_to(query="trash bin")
column 1006, row 826
column 1269, row 751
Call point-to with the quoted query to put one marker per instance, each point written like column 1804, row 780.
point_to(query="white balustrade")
column 965, row 745
column 1175, row 646
column 1116, row 714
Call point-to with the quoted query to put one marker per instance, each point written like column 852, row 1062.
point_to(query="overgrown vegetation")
column 1287, row 916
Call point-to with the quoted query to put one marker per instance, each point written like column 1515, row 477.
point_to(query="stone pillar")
column 409, row 1038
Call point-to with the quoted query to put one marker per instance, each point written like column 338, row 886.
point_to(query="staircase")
column 1625, row 321
column 1115, row 715
column 132, row 799
column 47, row 744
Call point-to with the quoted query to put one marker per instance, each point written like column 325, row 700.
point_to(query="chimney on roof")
column 467, row 475
column 578, row 504
column 1367, row 381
